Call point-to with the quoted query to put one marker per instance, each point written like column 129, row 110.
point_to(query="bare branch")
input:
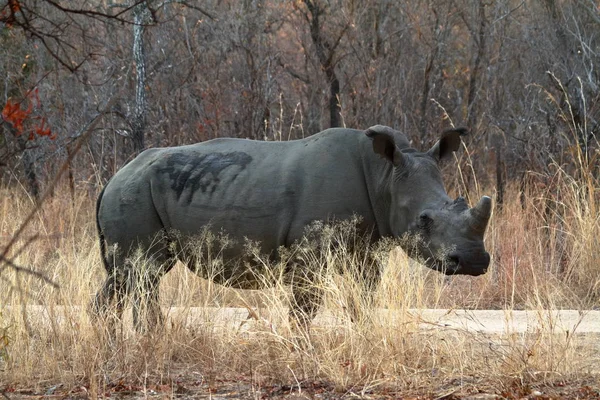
column 193, row 7
column 81, row 139
column 24, row 270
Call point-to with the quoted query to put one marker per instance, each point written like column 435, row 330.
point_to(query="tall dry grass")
column 545, row 255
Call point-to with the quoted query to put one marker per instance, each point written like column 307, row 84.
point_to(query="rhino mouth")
column 473, row 263
column 457, row 264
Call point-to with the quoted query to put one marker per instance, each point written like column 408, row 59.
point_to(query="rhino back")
column 263, row 191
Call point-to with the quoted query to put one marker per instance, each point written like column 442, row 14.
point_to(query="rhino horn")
column 480, row 214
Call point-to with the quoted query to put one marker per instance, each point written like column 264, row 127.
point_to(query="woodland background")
column 87, row 84
column 523, row 76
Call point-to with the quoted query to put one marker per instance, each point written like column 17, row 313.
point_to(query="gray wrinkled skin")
column 269, row 192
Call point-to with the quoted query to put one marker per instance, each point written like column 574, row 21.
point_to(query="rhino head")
column 444, row 234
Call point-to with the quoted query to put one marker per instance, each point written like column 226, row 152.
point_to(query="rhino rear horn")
column 480, row 214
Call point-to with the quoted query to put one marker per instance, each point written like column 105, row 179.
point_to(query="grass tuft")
column 544, row 257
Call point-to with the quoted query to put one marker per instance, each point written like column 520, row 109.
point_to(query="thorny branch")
column 5, row 260
column 33, row 20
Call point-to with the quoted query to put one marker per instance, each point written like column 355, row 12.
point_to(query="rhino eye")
column 425, row 220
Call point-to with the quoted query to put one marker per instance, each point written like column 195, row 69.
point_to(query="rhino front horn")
column 480, row 214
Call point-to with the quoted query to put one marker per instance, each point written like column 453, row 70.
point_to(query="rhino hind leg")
column 109, row 302
column 134, row 275
column 146, row 306
column 113, row 288
column 144, row 289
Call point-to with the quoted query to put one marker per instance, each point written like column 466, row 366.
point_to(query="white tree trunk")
column 138, row 122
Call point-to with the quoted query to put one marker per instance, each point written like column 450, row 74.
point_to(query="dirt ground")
column 243, row 388
column 482, row 321
column 492, row 322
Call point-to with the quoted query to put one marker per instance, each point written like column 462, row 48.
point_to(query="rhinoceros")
column 269, row 192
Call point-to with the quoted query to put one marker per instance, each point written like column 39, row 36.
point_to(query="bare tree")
column 141, row 16
column 325, row 49
column 479, row 35
column 522, row 74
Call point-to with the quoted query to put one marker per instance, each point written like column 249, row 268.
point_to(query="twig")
column 28, row 271
column 81, row 138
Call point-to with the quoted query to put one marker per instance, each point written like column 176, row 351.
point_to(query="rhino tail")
column 100, row 233
column 99, row 305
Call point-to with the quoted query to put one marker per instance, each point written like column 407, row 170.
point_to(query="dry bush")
column 411, row 65
column 540, row 261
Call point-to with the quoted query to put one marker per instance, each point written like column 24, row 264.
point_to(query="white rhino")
column 269, row 192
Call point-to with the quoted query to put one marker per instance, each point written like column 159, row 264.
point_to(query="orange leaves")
column 14, row 114
column 23, row 120
column 14, row 5
column 40, row 131
column 7, row 13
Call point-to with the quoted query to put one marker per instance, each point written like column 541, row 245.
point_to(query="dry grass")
column 545, row 256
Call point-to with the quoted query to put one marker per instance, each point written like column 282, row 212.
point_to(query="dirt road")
column 484, row 321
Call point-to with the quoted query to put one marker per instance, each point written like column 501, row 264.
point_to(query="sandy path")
column 484, row 321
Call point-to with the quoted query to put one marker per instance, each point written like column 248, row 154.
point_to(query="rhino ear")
column 384, row 144
column 448, row 143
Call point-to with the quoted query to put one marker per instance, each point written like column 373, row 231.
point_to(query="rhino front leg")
column 361, row 301
column 307, row 297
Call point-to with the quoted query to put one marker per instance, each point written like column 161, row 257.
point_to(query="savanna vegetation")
column 89, row 84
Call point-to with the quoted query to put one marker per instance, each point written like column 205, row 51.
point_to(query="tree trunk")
column 500, row 181
column 325, row 53
column 440, row 38
column 335, row 112
column 425, row 93
column 473, row 80
column 28, row 168
column 138, row 122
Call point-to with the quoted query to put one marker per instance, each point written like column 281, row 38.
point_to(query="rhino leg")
column 134, row 272
column 113, row 287
column 361, row 304
column 109, row 302
column 144, row 289
column 307, row 297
